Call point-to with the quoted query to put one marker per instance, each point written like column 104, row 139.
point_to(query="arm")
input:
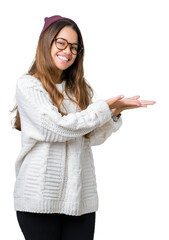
column 41, row 120
column 100, row 134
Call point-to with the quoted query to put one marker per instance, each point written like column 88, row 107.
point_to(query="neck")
column 59, row 77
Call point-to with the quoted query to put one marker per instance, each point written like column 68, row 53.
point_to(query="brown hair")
column 47, row 73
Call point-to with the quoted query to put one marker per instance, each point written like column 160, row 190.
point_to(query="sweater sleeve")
column 100, row 134
column 41, row 120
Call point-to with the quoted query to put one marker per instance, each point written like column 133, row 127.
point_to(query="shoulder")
column 30, row 86
column 28, row 81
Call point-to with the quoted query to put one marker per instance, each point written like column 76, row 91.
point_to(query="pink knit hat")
column 52, row 19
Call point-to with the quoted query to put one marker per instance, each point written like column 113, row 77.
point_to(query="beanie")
column 52, row 19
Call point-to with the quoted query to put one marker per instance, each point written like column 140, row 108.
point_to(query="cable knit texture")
column 55, row 170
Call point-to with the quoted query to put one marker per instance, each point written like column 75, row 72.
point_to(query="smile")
column 63, row 58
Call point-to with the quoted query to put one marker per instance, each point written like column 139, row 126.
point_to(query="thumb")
column 115, row 99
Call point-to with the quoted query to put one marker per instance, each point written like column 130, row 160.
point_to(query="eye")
column 62, row 43
column 75, row 47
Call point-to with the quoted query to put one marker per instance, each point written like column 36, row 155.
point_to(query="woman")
column 55, row 194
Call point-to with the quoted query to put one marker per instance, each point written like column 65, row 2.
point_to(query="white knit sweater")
column 55, row 168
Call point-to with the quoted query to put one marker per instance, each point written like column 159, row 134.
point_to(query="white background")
column 132, row 166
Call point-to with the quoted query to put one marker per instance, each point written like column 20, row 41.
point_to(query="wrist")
column 116, row 112
column 115, row 118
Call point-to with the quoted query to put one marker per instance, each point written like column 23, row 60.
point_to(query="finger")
column 116, row 99
column 130, row 102
column 131, row 107
column 147, row 102
column 143, row 105
column 134, row 97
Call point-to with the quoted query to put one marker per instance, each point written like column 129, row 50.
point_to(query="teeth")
column 63, row 58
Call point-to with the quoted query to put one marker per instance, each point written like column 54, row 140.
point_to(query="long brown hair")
column 47, row 73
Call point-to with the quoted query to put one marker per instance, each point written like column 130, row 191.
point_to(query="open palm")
column 119, row 104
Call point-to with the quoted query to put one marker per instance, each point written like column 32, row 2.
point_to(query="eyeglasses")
column 62, row 44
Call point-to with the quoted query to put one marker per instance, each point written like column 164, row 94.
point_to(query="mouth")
column 63, row 58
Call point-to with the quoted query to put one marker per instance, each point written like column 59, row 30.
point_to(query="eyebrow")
column 67, row 40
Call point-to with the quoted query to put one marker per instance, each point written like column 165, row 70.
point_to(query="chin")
column 62, row 68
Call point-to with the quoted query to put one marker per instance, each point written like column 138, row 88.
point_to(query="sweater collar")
column 61, row 86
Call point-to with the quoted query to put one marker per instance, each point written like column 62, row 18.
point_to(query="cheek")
column 53, row 51
column 73, row 59
column 52, row 48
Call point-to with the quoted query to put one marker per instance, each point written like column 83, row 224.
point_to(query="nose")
column 67, row 49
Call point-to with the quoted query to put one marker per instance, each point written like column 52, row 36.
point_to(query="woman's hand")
column 130, row 103
column 120, row 102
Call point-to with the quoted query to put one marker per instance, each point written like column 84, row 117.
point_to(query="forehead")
column 69, row 34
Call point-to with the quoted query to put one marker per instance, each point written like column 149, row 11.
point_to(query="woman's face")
column 64, row 58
